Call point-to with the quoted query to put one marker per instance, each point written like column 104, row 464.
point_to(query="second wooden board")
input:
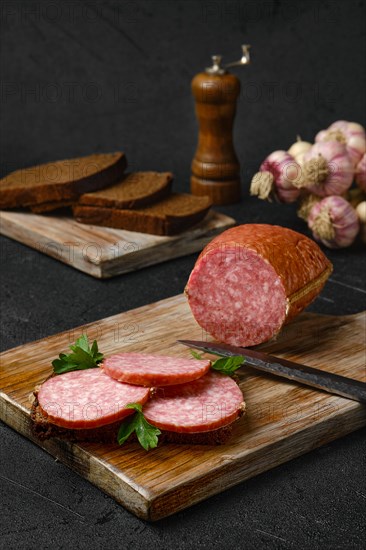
column 102, row 251
column 283, row 420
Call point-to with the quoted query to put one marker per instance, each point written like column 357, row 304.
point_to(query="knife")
column 310, row 376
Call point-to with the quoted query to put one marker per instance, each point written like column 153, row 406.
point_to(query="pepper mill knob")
column 245, row 58
column 215, row 166
column 216, row 65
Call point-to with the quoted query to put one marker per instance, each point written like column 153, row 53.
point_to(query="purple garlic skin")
column 334, row 222
column 360, row 175
column 351, row 134
column 327, row 169
column 285, row 172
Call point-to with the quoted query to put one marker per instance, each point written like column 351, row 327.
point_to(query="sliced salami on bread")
column 43, row 429
column 60, row 181
column 169, row 216
column 203, row 405
column 89, row 405
column 154, row 370
column 88, row 399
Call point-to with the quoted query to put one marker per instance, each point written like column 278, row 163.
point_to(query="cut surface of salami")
column 87, row 399
column 154, row 370
column 252, row 279
column 206, row 404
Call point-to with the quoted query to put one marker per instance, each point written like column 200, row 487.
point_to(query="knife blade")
column 310, row 376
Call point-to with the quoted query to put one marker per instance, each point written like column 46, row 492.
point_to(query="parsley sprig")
column 225, row 365
column 228, row 365
column 83, row 356
column 145, row 432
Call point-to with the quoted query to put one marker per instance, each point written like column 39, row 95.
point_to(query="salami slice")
column 206, row 404
column 87, row 399
column 252, row 279
column 154, row 370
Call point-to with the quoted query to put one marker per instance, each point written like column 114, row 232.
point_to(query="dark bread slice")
column 167, row 217
column 135, row 190
column 50, row 206
column 43, row 430
column 61, row 180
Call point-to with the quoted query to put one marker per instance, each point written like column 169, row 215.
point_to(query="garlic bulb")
column 327, row 169
column 351, row 134
column 334, row 222
column 360, row 175
column 307, row 202
column 298, row 149
column 361, row 213
column 276, row 177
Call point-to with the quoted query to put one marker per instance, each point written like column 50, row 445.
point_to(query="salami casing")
column 206, row 404
column 252, row 279
column 87, row 399
column 153, row 370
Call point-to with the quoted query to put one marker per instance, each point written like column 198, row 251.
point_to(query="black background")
column 82, row 77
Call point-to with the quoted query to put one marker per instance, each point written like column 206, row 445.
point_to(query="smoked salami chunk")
column 87, row 399
column 206, row 404
column 252, row 279
column 153, row 370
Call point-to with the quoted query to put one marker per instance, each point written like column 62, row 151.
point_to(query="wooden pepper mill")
column 215, row 167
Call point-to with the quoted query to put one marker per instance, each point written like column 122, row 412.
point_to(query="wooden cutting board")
column 283, row 419
column 102, row 251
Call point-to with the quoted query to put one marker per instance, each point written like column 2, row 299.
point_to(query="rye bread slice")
column 133, row 191
column 43, row 430
column 60, row 181
column 50, row 206
column 167, row 217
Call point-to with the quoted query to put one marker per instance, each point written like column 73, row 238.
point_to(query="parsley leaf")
column 145, row 432
column 82, row 342
column 225, row 365
column 83, row 357
column 195, row 354
column 228, row 365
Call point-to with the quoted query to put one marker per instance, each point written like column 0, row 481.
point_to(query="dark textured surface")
column 90, row 77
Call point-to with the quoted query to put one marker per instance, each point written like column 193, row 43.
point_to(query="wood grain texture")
column 283, row 420
column 102, row 251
